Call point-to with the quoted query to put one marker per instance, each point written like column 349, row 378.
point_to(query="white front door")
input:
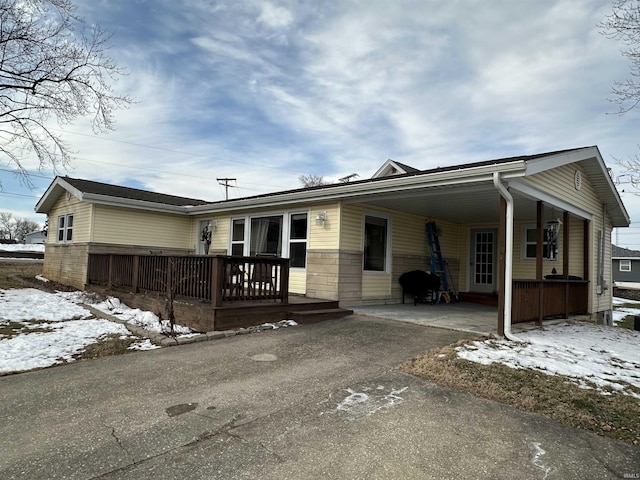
column 483, row 260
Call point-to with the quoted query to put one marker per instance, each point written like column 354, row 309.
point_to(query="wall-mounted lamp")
column 321, row 218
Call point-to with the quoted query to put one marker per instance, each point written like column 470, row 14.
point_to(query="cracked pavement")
column 331, row 405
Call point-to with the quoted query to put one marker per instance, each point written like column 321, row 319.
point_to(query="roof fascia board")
column 379, row 186
column 559, row 159
column 137, row 204
column 57, row 184
column 612, row 187
column 552, row 200
column 625, row 258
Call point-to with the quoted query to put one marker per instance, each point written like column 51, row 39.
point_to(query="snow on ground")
column 594, row 356
column 56, row 344
column 40, row 329
column 22, row 247
column 620, row 312
column 147, row 320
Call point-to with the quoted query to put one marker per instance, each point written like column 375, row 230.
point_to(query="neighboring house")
column 625, row 265
column 37, row 237
column 521, row 218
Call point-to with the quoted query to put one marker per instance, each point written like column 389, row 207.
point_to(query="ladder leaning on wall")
column 437, row 262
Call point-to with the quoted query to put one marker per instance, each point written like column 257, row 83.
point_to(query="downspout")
column 508, row 261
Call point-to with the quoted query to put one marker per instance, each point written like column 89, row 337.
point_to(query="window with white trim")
column 298, row 228
column 530, row 242
column 65, row 228
column 625, row 265
column 278, row 235
column 376, row 243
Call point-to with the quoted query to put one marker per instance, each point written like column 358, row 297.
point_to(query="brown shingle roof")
column 98, row 188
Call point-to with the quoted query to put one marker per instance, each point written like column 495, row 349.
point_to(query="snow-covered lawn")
column 21, row 247
column 594, row 356
column 40, row 329
column 623, row 307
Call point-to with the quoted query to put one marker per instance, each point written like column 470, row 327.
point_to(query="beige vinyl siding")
column 298, row 281
column 327, row 236
column 351, row 227
column 376, row 286
column 122, row 226
column 559, row 182
column 82, row 218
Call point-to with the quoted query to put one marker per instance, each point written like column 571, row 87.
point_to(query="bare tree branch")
column 52, row 67
column 624, row 25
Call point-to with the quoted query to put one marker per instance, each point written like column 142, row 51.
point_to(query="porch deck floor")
column 461, row 316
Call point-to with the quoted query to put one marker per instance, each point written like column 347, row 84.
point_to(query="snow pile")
column 147, row 320
column 606, row 357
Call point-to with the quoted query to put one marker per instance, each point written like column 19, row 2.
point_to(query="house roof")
column 624, row 253
column 391, row 167
column 407, row 192
column 422, row 192
column 104, row 193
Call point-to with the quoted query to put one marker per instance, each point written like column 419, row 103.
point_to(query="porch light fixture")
column 321, row 218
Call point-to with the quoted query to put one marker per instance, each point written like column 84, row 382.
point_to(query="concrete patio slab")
column 461, row 316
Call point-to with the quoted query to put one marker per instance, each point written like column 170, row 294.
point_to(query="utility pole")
column 225, row 182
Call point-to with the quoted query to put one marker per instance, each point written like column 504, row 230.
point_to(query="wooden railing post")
column 135, row 273
column 217, row 280
column 169, row 277
column 284, row 281
column 110, row 277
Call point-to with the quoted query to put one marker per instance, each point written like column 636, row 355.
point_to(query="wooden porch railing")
column 208, row 278
column 538, row 299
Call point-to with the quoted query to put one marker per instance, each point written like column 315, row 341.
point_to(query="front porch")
column 207, row 293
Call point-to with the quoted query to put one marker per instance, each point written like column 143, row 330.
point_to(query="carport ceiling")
column 478, row 203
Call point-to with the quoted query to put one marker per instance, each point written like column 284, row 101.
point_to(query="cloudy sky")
column 265, row 91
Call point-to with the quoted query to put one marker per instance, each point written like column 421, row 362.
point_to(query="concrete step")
column 314, row 316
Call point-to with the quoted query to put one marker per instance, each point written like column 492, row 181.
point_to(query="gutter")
column 364, row 189
column 508, row 261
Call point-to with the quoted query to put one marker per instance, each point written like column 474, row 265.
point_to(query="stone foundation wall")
column 334, row 275
column 66, row 264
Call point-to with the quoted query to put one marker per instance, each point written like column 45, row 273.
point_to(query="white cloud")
column 275, row 16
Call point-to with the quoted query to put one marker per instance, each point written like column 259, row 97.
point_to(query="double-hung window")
column 530, row 242
column 65, row 228
column 625, row 265
column 298, row 240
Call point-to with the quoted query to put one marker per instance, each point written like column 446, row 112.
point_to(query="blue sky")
column 266, row 91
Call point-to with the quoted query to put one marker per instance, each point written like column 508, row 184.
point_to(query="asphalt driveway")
column 313, row 401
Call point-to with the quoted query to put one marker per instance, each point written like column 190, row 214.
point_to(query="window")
column 266, row 236
column 375, row 243
column 237, row 237
column 274, row 236
column 65, row 228
column 298, row 240
column 529, row 243
column 625, row 265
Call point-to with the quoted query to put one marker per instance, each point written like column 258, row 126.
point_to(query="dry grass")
column 25, row 269
column 112, row 344
column 615, row 415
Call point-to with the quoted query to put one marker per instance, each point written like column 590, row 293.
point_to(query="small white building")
column 38, row 237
